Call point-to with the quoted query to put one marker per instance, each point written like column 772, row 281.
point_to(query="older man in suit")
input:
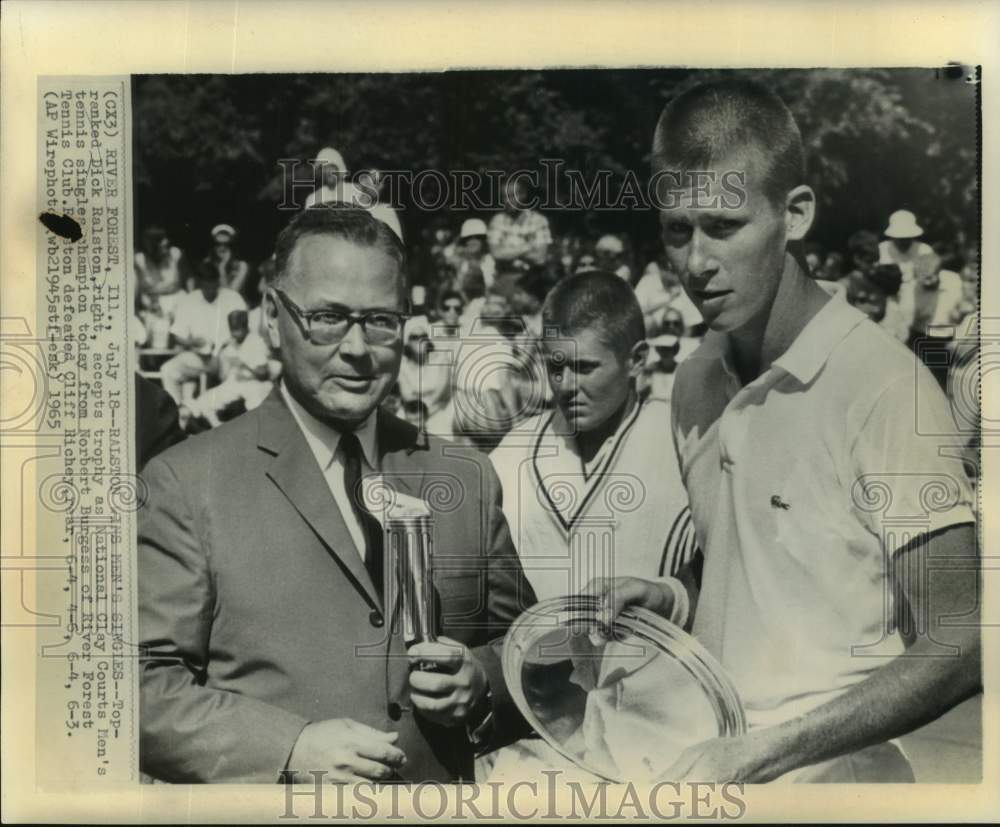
column 269, row 651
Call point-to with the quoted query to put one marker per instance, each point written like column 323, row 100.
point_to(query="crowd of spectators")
column 472, row 364
column 922, row 294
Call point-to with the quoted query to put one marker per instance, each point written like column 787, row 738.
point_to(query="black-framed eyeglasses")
column 330, row 325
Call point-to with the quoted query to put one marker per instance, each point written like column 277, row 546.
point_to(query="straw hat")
column 903, row 224
column 328, row 156
column 610, row 244
column 472, row 228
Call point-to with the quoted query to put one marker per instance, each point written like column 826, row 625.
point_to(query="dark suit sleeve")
column 156, row 423
column 190, row 732
column 508, row 594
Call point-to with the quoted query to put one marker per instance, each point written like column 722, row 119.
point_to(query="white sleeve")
column 181, row 326
column 254, row 352
column 908, row 478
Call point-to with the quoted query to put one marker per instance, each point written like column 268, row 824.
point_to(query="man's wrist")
column 675, row 596
column 288, row 772
column 776, row 748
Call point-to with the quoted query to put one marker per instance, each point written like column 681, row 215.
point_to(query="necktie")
column 351, row 452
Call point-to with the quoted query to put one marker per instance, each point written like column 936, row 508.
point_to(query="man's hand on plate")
column 620, row 592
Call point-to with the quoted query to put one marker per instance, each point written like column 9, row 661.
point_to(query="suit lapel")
column 399, row 456
column 294, row 470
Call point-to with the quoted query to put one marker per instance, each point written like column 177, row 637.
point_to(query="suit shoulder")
column 219, row 445
column 464, row 462
column 396, row 434
column 430, row 452
column 439, row 449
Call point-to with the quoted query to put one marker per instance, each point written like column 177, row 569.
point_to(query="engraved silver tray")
column 621, row 705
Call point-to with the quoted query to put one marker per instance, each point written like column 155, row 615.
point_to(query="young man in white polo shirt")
column 809, row 446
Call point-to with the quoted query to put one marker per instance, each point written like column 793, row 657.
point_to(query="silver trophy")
column 410, row 557
column 409, row 533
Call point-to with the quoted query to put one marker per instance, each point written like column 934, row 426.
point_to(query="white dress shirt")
column 324, row 442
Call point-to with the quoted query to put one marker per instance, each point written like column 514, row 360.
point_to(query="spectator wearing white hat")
column 335, row 188
column 659, row 291
column 610, row 255
column 423, row 378
column 930, row 301
column 518, row 232
column 471, row 252
column 901, row 245
column 233, row 271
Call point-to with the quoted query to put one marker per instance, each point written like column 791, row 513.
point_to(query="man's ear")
column 800, row 210
column 270, row 310
column 637, row 358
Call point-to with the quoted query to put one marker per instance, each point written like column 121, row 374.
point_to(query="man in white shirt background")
column 518, row 233
column 930, row 300
column 200, row 328
column 243, row 370
column 902, row 244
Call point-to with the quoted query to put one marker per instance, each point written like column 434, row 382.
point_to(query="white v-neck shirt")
column 624, row 514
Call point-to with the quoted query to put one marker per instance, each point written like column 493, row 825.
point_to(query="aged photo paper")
column 416, row 281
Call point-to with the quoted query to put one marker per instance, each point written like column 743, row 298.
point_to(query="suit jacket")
column 257, row 614
column 156, row 422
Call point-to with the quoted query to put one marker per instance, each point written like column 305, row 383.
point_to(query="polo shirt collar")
column 807, row 355
column 323, row 439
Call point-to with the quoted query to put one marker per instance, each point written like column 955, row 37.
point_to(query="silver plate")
column 621, row 706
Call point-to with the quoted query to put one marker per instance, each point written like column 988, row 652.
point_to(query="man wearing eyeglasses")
column 270, row 651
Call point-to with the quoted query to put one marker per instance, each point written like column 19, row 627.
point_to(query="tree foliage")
column 207, row 147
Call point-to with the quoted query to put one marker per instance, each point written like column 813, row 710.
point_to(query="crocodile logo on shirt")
column 777, row 502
